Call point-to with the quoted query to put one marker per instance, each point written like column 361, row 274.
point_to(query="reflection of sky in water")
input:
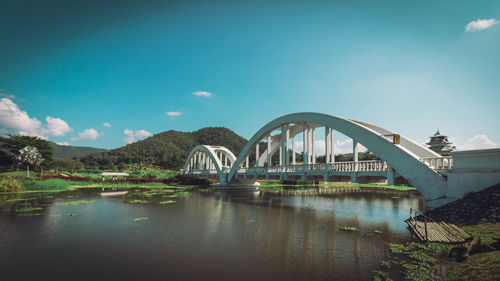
column 369, row 209
column 219, row 236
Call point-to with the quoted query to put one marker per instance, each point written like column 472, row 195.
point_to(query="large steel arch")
column 404, row 158
column 212, row 152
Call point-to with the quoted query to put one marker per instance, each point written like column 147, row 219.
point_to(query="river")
column 203, row 235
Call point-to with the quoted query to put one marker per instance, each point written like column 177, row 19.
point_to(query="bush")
column 9, row 184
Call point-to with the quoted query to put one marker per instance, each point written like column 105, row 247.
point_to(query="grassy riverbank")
column 58, row 185
column 431, row 261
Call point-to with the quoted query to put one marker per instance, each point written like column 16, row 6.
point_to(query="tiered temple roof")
column 440, row 144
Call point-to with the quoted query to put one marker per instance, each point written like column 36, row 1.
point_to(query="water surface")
column 204, row 236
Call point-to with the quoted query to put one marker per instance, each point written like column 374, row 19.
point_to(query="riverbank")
column 477, row 214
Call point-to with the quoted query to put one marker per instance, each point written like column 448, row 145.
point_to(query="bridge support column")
column 287, row 146
column 327, row 145
column 354, row 177
column 268, row 150
column 390, row 176
column 305, row 145
column 332, row 146
column 293, row 150
column 354, row 155
column 313, row 152
column 257, row 155
column 325, row 177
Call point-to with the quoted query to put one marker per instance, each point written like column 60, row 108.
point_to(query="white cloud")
column 15, row 121
column 106, row 124
column 132, row 136
column 63, row 143
column 88, row 134
column 202, row 94
column 173, row 113
column 56, row 127
column 477, row 142
column 479, row 25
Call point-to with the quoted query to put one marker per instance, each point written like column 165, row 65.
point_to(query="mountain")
column 67, row 151
column 167, row 150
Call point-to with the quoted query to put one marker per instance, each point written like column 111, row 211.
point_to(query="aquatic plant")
column 28, row 209
column 140, row 219
column 348, row 228
column 167, row 202
column 378, row 231
column 251, row 221
column 78, row 202
column 70, row 215
column 138, row 201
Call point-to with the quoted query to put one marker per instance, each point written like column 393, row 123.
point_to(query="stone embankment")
column 474, row 208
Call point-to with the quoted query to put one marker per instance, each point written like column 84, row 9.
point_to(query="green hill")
column 67, row 151
column 167, row 150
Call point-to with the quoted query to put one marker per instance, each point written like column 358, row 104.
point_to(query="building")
column 440, row 144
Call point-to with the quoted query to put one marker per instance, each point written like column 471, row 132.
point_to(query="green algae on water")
column 141, row 219
column 167, row 202
column 29, row 209
column 78, row 202
column 138, row 201
column 348, row 228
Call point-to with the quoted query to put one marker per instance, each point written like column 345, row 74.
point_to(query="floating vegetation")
column 167, row 202
column 378, row 231
column 178, row 194
column 141, row 219
column 138, row 201
column 20, row 199
column 348, row 228
column 151, row 193
column 29, row 215
column 78, row 202
column 251, row 221
column 49, row 196
column 29, row 209
column 70, row 215
column 71, row 196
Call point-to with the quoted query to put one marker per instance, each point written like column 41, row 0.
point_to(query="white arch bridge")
column 420, row 166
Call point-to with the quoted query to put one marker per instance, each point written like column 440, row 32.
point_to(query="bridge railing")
column 361, row 166
column 439, row 163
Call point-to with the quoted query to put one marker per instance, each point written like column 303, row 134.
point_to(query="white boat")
column 113, row 193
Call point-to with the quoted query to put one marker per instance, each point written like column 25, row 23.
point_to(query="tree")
column 13, row 143
column 29, row 156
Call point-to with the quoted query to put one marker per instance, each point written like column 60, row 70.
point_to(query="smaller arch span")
column 206, row 157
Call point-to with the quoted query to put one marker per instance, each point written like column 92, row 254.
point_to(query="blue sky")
column 408, row 66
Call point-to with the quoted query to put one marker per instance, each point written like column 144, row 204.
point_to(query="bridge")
column 432, row 174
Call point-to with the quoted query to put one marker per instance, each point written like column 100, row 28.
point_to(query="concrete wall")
column 473, row 170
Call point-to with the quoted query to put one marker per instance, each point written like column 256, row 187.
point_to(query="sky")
column 107, row 73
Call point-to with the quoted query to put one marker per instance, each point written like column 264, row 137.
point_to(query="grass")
column 418, row 261
column 141, row 219
column 167, row 202
column 349, row 228
column 78, row 202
